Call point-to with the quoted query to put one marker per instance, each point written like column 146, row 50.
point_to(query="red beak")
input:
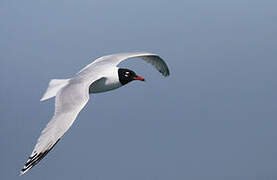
column 139, row 78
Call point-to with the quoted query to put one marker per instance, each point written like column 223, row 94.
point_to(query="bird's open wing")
column 70, row 100
column 115, row 59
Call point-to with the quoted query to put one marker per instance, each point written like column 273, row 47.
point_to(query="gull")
column 73, row 94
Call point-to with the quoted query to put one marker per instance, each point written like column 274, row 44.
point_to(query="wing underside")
column 115, row 59
column 69, row 101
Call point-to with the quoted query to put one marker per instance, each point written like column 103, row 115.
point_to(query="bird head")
column 127, row 75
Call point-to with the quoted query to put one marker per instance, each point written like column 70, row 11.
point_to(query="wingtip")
column 165, row 73
column 21, row 173
column 24, row 170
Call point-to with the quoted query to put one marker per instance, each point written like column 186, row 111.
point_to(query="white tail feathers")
column 54, row 86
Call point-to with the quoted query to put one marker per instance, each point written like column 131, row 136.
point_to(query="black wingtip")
column 33, row 160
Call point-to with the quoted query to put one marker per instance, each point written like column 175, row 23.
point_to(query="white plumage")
column 73, row 94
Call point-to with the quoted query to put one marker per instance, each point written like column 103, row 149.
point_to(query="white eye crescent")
column 126, row 74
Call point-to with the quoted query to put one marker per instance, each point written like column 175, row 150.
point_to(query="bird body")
column 107, row 83
column 73, row 94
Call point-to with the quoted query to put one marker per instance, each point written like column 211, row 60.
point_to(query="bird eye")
column 127, row 74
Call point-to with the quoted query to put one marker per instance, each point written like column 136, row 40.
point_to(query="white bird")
column 73, row 94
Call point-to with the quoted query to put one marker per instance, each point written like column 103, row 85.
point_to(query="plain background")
column 214, row 118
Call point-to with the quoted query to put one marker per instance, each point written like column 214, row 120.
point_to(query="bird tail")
column 54, row 86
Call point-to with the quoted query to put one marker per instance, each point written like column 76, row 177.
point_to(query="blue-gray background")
column 214, row 118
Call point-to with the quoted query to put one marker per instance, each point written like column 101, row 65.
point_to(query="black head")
column 126, row 76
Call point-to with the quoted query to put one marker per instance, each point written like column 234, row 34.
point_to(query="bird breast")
column 107, row 83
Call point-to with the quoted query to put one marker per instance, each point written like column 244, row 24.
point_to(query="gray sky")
column 214, row 118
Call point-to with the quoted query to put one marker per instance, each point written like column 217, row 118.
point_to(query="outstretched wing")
column 70, row 100
column 115, row 59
